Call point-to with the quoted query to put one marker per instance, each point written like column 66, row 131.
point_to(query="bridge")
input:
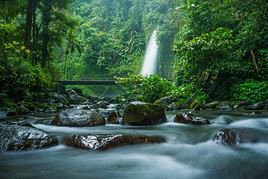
column 88, row 82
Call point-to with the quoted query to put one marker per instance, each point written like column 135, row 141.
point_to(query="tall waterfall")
column 150, row 58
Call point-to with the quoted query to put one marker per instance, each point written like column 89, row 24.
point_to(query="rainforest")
column 133, row 89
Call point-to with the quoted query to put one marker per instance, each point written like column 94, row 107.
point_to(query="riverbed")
column 189, row 152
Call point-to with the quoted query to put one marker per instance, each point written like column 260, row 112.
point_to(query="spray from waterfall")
column 150, row 59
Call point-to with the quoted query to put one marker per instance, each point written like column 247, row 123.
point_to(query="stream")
column 188, row 153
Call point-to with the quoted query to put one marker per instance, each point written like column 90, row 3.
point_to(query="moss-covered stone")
column 144, row 114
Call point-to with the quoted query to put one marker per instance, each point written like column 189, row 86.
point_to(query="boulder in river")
column 187, row 118
column 106, row 142
column 140, row 114
column 235, row 136
column 78, row 118
column 18, row 138
column 226, row 137
column 113, row 118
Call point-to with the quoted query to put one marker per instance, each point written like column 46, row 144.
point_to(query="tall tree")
column 46, row 21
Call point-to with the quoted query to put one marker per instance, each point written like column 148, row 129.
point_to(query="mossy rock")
column 141, row 114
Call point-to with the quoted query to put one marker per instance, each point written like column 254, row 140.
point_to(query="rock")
column 74, row 98
column 212, row 105
column 199, row 121
column 138, row 113
column 257, row 106
column 78, row 91
column 113, row 118
column 226, row 108
column 165, row 101
column 3, row 115
column 226, row 137
column 78, row 118
column 57, row 98
column 106, row 142
column 236, row 136
column 187, row 118
column 18, row 138
column 102, row 104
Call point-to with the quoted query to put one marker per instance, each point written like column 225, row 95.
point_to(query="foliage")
column 147, row 89
column 251, row 91
column 19, row 80
column 218, row 45
column 190, row 95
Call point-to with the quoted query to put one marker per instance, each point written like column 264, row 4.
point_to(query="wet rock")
column 138, row 113
column 257, row 106
column 113, row 118
column 236, row 136
column 187, row 118
column 106, row 142
column 18, row 138
column 3, row 115
column 57, row 98
column 226, row 137
column 199, row 121
column 78, row 118
column 102, row 104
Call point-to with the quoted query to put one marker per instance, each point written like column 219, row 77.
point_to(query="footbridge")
column 87, row 82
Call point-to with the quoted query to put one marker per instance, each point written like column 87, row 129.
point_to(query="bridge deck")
column 87, row 82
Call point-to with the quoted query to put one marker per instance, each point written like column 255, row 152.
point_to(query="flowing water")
column 188, row 153
column 150, row 58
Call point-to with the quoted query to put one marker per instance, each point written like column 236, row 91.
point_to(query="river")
column 188, row 153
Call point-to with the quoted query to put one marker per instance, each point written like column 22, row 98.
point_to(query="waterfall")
column 150, row 58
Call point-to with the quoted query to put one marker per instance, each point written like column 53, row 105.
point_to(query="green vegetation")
column 147, row 89
column 209, row 50
column 251, row 91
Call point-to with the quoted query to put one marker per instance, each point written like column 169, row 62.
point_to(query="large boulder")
column 18, row 138
column 236, row 136
column 187, row 118
column 105, row 142
column 140, row 114
column 78, row 118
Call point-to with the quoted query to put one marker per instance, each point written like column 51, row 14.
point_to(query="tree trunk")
column 46, row 20
column 254, row 61
column 34, row 34
column 29, row 24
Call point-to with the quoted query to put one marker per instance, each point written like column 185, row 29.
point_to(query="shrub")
column 251, row 91
column 19, row 80
column 147, row 89
column 191, row 95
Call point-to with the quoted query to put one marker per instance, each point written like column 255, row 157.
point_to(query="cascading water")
column 150, row 58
